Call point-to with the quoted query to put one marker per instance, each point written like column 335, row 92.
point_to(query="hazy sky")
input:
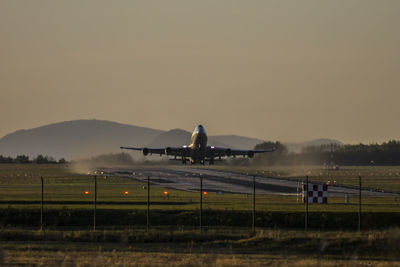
column 275, row 70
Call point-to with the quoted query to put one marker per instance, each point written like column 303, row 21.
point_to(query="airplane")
column 198, row 151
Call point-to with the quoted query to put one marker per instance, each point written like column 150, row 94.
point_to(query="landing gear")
column 198, row 161
column 211, row 161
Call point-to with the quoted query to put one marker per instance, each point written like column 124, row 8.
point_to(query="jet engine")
column 145, row 151
column 228, row 152
column 250, row 154
column 168, row 150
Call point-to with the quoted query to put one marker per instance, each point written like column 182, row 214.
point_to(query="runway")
column 188, row 179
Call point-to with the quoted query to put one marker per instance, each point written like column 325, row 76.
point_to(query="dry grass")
column 268, row 247
column 174, row 259
column 114, row 258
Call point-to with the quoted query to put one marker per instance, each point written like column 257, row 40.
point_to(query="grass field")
column 212, row 248
column 20, row 191
column 172, row 239
column 20, row 185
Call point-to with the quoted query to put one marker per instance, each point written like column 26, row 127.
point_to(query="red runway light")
column 86, row 192
column 126, row 192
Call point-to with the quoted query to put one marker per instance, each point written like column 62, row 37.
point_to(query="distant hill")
column 175, row 138
column 86, row 138
column 297, row 147
column 75, row 139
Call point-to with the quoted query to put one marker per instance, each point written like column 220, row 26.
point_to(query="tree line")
column 23, row 159
column 386, row 153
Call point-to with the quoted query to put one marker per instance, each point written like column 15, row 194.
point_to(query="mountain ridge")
column 74, row 139
column 85, row 138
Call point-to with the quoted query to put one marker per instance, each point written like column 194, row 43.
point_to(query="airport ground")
column 191, row 248
column 121, row 236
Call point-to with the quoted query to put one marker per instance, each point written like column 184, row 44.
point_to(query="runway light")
column 86, row 192
column 205, row 193
column 165, row 193
column 126, row 192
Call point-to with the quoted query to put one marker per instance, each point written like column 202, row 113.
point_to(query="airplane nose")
column 201, row 129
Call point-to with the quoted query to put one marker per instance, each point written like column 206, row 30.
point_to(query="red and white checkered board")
column 317, row 193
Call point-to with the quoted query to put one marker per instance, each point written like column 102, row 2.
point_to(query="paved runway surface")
column 188, row 179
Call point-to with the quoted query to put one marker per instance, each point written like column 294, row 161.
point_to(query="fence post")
column 201, row 201
column 95, row 203
column 306, row 200
column 41, row 206
column 148, row 204
column 254, row 203
column 359, row 203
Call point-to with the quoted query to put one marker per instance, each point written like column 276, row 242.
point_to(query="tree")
column 272, row 158
column 6, row 159
column 22, row 159
column 40, row 159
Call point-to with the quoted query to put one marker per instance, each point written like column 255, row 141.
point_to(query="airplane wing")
column 170, row 151
column 146, row 150
column 211, row 151
column 249, row 153
column 222, row 152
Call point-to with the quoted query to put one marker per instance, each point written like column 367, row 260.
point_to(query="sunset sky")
column 274, row 70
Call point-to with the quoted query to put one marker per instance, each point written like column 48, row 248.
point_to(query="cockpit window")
column 199, row 129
